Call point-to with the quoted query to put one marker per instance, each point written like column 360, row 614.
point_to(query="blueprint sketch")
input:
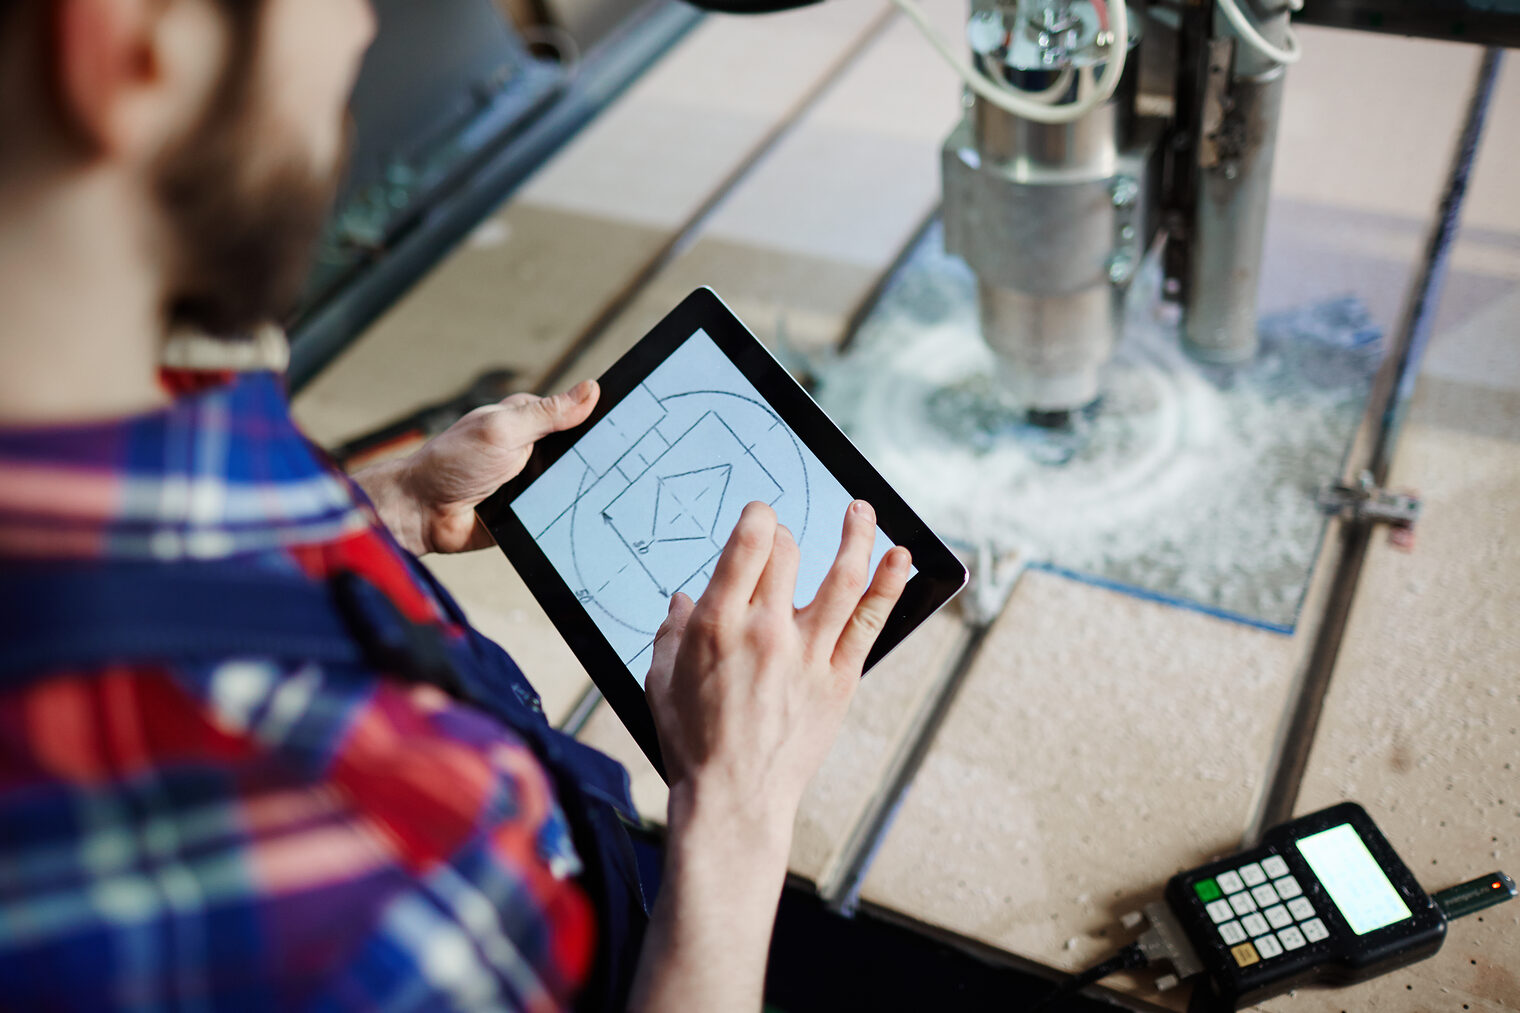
column 641, row 506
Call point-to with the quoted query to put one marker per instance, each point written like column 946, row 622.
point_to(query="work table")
column 1087, row 744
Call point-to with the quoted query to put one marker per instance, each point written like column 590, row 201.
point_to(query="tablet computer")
column 611, row 518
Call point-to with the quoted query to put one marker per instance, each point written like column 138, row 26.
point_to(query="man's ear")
column 130, row 74
column 102, row 55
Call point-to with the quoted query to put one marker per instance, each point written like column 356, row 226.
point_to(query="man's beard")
column 244, row 219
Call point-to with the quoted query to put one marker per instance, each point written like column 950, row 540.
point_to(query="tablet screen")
column 643, row 503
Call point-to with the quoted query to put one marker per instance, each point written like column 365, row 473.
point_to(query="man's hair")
column 8, row 11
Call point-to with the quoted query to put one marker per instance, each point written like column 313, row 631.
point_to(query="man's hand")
column 748, row 694
column 428, row 500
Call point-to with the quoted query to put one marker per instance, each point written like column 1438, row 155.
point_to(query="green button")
column 1207, row 890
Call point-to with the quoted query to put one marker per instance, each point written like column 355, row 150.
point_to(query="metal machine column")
column 1053, row 219
column 1242, row 103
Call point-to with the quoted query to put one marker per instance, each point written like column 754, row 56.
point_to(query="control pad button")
column 1291, row 938
column 1232, row 933
column 1274, row 866
column 1300, row 908
column 1244, row 954
column 1242, row 903
column 1254, row 924
column 1314, row 930
column 1268, row 947
column 1252, row 875
column 1230, row 882
column 1278, row 917
column 1265, row 895
column 1287, row 887
column 1220, row 911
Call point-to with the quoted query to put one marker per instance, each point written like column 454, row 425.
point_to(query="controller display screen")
column 1353, row 879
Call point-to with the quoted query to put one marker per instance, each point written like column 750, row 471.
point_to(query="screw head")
column 1125, row 191
column 986, row 33
column 1121, row 267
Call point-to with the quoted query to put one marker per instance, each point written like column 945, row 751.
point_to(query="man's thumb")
column 668, row 640
column 562, row 411
column 680, row 607
column 529, row 419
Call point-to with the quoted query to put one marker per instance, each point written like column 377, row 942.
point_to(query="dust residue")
column 1195, row 483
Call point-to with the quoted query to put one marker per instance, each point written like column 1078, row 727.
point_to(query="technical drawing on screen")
column 641, row 506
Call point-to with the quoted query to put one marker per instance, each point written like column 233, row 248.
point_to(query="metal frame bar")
column 603, row 76
column 1453, row 20
column 1386, row 407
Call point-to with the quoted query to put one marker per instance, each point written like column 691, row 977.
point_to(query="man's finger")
column 668, row 641
column 532, row 418
column 743, row 560
column 778, row 583
column 846, row 581
column 870, row 616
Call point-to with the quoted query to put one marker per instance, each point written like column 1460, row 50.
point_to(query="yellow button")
column 1245, row 954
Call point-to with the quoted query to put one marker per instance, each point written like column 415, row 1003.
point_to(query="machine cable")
column 1113, row 19
column 1288, row 53
column 1054, row 93
column 1132, row 956
column 1015, row 101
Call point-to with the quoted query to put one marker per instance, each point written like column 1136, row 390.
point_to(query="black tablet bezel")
column 940, row 574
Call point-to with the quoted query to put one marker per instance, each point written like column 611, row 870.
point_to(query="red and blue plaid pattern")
column 246, row 834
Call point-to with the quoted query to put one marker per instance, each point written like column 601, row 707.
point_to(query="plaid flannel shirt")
column 247, row 834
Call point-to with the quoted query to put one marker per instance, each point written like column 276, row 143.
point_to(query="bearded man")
column 251, row 755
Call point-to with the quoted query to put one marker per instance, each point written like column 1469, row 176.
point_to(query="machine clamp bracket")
column 1367, row 503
